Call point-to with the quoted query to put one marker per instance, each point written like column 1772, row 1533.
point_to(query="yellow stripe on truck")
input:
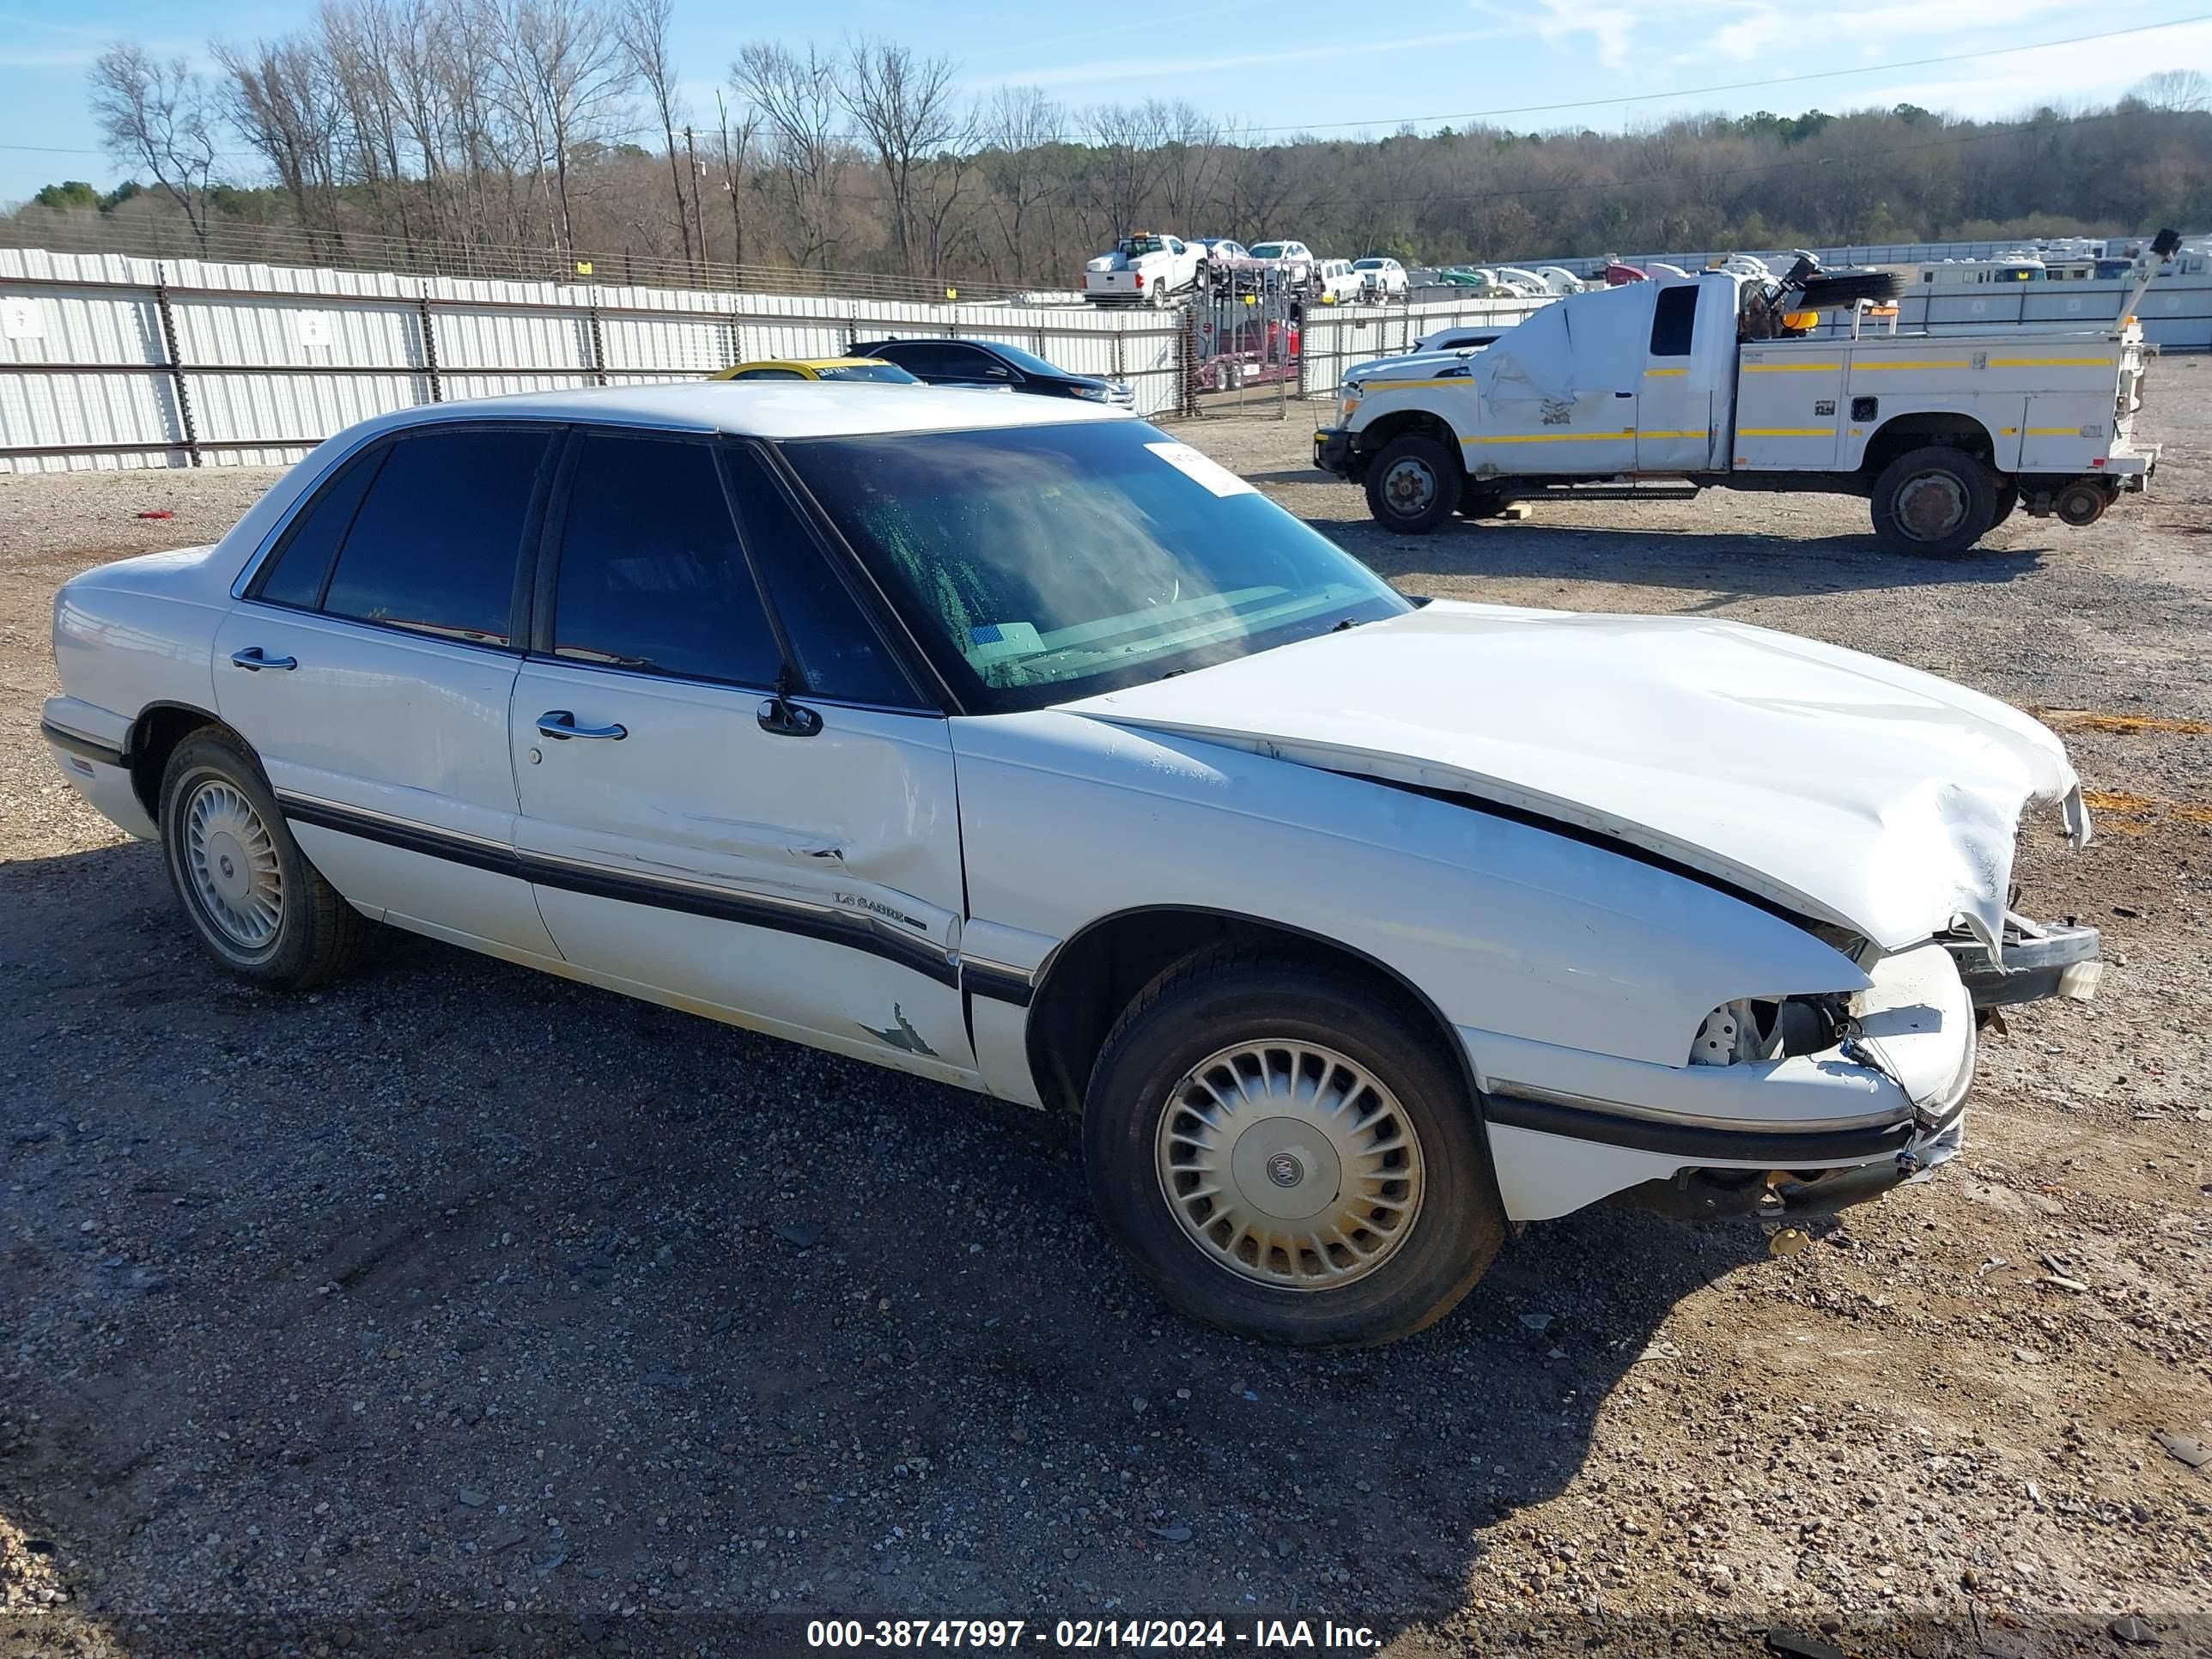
column 2056, row 432
column 1788, row 368
column 1786, row 432
column 1550, row 437
column 1918, row 362
column 1661, row 373
column 2050, row 362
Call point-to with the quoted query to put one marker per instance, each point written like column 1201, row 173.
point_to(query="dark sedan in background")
column 988, row 363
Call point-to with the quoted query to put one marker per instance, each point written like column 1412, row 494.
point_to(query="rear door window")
column 434, row 545
column 652, row 577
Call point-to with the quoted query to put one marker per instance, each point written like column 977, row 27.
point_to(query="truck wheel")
column 1283, row 1150
column 1935, row 502
column 1414, row 485
column 2007, row 499
column 1479, row 503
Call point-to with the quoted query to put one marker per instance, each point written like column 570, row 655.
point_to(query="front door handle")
column 253, row 658
column 560, row 724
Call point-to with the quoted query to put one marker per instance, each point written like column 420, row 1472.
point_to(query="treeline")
column 559, row 123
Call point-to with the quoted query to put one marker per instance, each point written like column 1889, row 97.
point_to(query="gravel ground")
column 462, row 1308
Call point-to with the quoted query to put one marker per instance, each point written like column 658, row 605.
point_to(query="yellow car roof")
column 806, row 366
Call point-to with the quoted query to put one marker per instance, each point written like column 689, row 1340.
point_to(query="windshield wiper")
column 1349, row 621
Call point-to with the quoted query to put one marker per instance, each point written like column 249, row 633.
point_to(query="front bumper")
column 1333, row 450
column 2040, row 960
column 1568, row 1128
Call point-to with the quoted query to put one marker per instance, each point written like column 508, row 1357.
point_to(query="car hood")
column 1451, row 362
column 1840, row 787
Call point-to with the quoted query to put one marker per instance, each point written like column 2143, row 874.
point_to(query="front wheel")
column 1286, row 1154
column 262, row 912
column 1935, row 502
column 1414, row 485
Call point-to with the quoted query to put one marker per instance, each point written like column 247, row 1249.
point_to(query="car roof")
column 763, row 408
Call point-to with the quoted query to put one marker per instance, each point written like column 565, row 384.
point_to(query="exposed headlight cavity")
column 1767, row 1028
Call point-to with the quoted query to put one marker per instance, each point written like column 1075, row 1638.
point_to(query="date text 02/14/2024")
column 1085, row 1635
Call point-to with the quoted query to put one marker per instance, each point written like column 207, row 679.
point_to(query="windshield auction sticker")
column 1203, row 467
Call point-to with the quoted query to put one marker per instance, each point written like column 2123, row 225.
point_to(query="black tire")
column 1949, row 475
column 1480, row 504
column 1226, row 996
column 1408, row 464
column 2008, row 497
column 316, row 935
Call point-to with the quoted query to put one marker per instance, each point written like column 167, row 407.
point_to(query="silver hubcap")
column 1409, row 487
column 1931, row 506
column 232, row 864
column 1289, row 1165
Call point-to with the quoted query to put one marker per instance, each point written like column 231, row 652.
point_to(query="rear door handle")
column 253, row 658
column 560, row 724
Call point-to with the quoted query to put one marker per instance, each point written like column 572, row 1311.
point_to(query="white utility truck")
column 1726, row 380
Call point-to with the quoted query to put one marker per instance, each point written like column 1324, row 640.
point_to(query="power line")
column 1742, row 86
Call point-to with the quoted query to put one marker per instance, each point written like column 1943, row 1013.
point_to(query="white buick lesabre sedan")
column 1012, row 743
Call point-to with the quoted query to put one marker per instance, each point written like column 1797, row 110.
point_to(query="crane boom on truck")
column 1721, row 381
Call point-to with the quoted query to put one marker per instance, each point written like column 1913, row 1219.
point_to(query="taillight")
column 1140, row 279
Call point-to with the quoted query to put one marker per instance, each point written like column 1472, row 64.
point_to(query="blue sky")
column 1283, row 63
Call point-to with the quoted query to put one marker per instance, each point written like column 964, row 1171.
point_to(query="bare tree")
column 1020, row 129
column 158, row 116
column 278, row 94
column 1130, row 160
column 564, row 64
column 642, row 25
column 906, row 108
column 735, row 152
column 2182, row 90
column 796, row 102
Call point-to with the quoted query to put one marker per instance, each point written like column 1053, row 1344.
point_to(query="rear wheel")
column 2008, row 497
column 1414, row 485
column 262, row 912
column 1285, row 1153
column 1935, row 502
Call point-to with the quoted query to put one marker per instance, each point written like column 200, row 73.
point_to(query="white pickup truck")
column 1720, row 380
column 1143, row 268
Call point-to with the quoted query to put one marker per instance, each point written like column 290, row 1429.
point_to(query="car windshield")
column 1367, row 264
column 1041, row 564
column 887, row 372
column 1268, row 251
